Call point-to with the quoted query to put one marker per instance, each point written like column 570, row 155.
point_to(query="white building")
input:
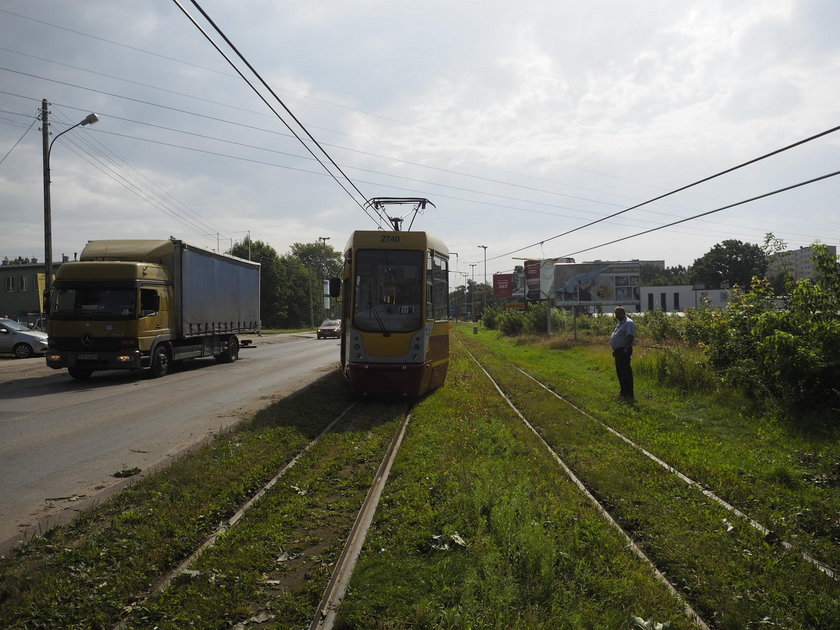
column 678, row 298
column 796, row 262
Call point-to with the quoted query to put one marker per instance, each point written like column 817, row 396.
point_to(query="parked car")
column 329, row 328
column 20, row 340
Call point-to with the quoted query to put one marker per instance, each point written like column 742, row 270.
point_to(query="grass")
column 744, row 458
column 478, row 527
column 86, row 572
column 536, row 553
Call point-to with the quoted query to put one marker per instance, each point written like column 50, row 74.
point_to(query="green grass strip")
column 84, row 574
column 536, row 554
column 715, row 561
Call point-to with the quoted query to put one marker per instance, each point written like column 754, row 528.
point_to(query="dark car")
column 329, row 328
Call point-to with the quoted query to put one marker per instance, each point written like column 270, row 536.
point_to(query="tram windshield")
column 389, row 290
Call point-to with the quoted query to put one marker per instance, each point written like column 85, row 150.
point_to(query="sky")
column 521, row 122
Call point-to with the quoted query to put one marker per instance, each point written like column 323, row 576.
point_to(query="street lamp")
column 47, row 148
column 324, row 239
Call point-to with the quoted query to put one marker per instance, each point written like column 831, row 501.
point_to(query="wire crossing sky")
column 535, row 129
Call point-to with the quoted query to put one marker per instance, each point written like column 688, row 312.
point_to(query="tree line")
column 727, row 264
column 291, row 285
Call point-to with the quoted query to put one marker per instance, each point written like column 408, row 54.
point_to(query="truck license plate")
column 87, row 356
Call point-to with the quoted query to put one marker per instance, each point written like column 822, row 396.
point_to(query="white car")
column 20, row 340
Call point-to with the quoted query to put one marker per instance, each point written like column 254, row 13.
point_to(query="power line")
column 187, row 63
column 703, row 214
column 309, row 171
column 378, row 172
column 230, row 122
column 34, row 120
column 117, row 166
column 277, row 98
column 680, row 189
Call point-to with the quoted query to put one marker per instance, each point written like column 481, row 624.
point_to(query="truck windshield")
column 389, row 290
column 94, row 303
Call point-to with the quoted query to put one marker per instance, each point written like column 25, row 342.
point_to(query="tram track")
column 688, row 480
column 316, row 541
column 643, row 538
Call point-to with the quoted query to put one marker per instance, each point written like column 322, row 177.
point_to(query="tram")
column 394, row 290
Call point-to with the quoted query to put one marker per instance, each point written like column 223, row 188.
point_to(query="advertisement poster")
column 503, row 285
column 598, row 283
column 539, row 278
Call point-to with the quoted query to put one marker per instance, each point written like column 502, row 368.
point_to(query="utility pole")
column 456, row 279
column 45, row 141
column 484, row 291
column 47, row 148
column 472, row 296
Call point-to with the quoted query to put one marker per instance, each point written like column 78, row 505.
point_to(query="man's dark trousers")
column 624, row 371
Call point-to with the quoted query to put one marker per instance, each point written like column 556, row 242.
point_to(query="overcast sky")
column 520, row 121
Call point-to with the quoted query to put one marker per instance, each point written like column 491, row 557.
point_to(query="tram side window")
column 437, row 287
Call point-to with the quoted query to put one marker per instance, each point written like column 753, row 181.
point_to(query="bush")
column 679, row 366
column 491, row 315
column 513, row 323
column 791, row 354
column 538, row 318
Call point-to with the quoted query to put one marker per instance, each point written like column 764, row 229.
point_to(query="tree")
column 653, row 276
column 320, row 262
column 731, row 261
column 273, row 307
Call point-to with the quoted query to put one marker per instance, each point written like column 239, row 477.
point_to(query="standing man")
column 622, row 341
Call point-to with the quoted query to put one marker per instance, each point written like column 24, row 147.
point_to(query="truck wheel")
column 80, row 374
column 232, row 353
column 23, row 351
column 161, row 362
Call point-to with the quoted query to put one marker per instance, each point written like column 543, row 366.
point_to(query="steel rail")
column 166, row 580
column 327, row 610
column 694, row 484
column 690, row 613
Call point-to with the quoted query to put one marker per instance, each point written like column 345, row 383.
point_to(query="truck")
column 143, row 304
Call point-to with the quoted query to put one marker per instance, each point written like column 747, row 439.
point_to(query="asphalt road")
column 62, row 440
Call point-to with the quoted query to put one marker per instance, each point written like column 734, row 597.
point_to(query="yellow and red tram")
column 395, row 312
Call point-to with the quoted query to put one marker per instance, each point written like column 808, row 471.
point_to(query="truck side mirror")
column 335, row 287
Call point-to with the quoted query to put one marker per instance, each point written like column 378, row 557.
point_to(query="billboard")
column 598, row 283
column 539, row 278
column 503, row 285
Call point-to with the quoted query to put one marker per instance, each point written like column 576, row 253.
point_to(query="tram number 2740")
column 389, row 238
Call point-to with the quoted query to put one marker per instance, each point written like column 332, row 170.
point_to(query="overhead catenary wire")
column 252, row 127
column 314, row 172
column 277, row 98
column 303, row 157
column 703, row 214
column 680, row 189
column 187, row 112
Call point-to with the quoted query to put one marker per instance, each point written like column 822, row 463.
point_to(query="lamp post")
column 47, row 148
